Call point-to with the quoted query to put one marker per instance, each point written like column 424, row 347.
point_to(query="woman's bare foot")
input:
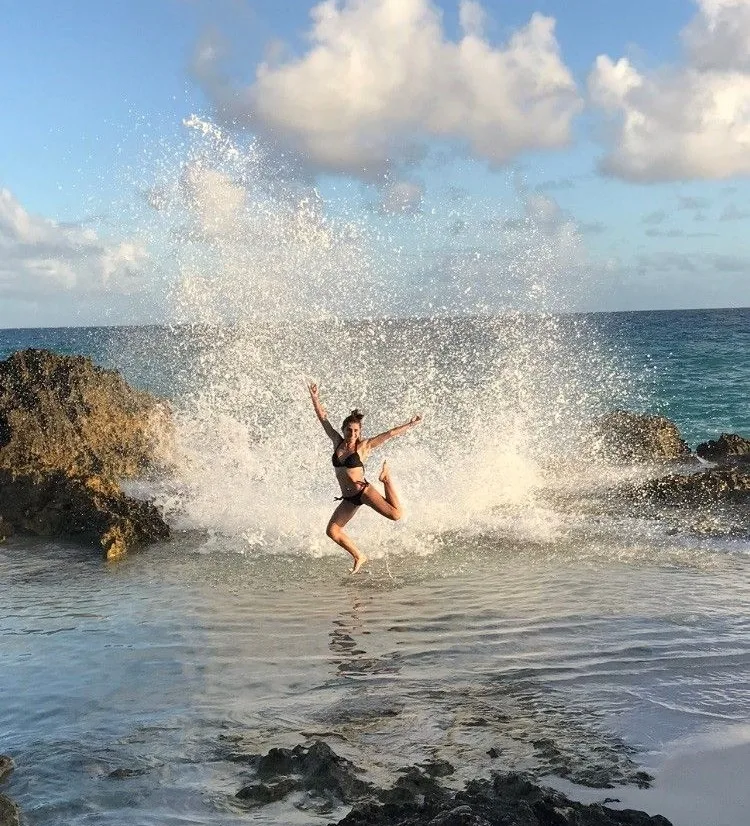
column 358, row 563
column 385, row 472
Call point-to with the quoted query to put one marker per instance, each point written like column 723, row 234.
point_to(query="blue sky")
column 641, row 161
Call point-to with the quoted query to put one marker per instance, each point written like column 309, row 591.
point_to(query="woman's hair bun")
column 355, row 416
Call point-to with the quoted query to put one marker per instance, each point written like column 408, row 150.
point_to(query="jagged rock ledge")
column 320, row 779
column 70, row 432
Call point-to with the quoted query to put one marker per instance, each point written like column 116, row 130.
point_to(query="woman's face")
column 352, row 431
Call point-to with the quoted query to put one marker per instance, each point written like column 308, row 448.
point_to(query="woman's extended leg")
column 390, row 507
column 339, row 518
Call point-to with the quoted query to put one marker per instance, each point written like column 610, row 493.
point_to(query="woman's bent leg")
column 390, row 507
column 339, row 518
column 391, row 497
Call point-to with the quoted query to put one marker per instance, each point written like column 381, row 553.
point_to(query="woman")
column 349, row 454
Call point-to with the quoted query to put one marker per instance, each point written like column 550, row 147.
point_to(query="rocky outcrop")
column 91, row 509
column 62, row 413
column 729, row 447
column 321, row 780
column 69, row 433
column 634, row 437
column 317, row 771
column 705, row 487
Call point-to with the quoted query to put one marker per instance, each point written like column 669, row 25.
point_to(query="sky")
column 606, row 143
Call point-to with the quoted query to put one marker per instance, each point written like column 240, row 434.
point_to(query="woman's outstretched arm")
column 320, row 412
column 381, row 438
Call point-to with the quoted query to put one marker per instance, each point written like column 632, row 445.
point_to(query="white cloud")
column 381, row 78
column 41, row 257
column 689, row 122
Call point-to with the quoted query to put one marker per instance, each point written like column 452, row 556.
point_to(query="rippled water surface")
column 567, row 665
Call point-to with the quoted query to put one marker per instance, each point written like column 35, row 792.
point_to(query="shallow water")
column 565, row 663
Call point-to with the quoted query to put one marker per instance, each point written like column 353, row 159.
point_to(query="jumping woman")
column 349, row 454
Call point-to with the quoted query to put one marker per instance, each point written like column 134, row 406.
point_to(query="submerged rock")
column 634, row 437
column 69, row 432
column 417, row 798
column 729, row 447
column 6, row 766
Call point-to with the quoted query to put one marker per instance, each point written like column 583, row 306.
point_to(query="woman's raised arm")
column 381, row 438
column 320, row 412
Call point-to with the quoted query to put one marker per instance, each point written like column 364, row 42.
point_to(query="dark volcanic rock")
column 507, row 799
column 633, row 437
column 316, row 770
column 728, row 447
column 69, row 432
column 705, row 487
column 417, row 798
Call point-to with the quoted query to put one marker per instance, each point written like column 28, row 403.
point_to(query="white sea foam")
column 277, row 290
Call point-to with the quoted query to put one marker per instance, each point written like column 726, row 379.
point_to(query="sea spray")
column 273, row 288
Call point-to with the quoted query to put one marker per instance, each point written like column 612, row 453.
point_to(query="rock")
column 91, row 510
column 62, row 413
column 510, row 799
column 316, row 770
column 9, row 814
column 6, row 766
column 69, row 433
column 264, row 793
column 633, row 437
column 417, row 799
column 707, row 486
column 728, row 447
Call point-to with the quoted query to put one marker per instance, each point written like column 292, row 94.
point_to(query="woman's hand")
column 415, row 420
column 313, row 388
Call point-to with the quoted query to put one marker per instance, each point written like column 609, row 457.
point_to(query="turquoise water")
column 690, row 365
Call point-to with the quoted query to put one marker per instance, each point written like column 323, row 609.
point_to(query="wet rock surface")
column 507, row 799
column 322, row 775
column 729, row 447
column 69, row 433
column 634, row 437
column 6, row 766
column 9, row 813
column 322, row 780
column 90, row 510
column 704, row 487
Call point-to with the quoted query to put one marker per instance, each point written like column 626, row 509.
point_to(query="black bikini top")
column 352, row 460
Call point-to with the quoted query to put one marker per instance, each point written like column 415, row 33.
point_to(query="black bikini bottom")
column 356, row 498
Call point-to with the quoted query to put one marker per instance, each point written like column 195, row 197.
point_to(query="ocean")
column 519, row 617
